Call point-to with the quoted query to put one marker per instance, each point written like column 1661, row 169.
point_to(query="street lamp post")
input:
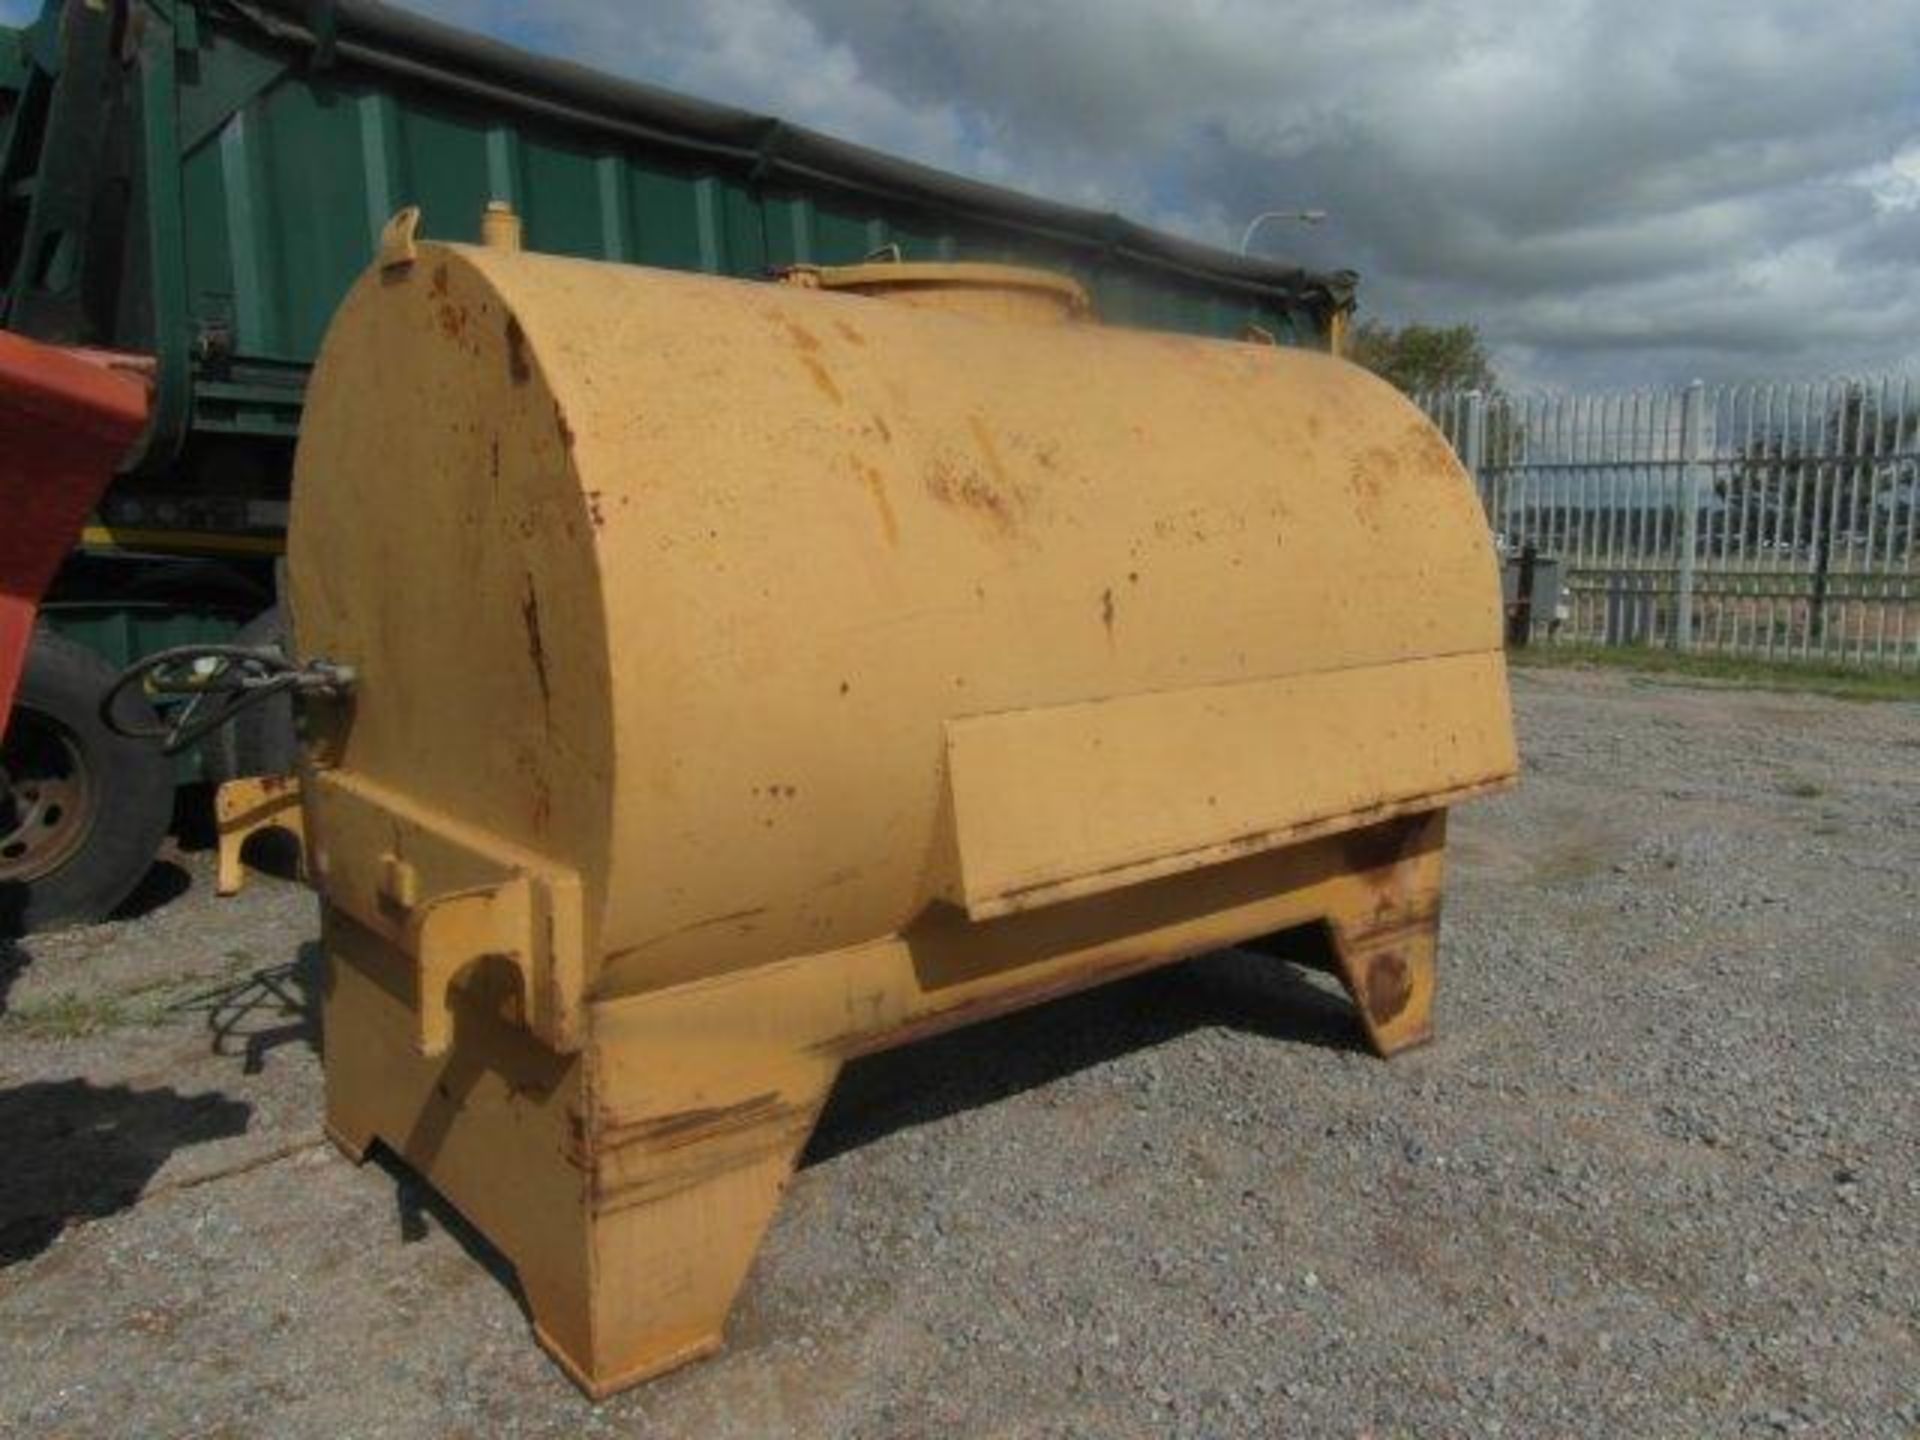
column 1305, row 217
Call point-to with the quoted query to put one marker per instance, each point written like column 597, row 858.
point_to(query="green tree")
column 1420, row 359
column 1855, row 474
column 1851, row 484
column 1429, row 362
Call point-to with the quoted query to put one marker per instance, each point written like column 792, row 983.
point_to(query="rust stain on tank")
column 536, row 646
column 804, row 339
column 1106, row 612
column 1431, row 449
column 849, row 334
column 1389, row 986
column 518, row 366
column 820, row 377
column 967, row 489
column 701, row 1123
column 1372, row 471
column 876, row 484
column 542, row 813
column 440, row 279
column 984, row 439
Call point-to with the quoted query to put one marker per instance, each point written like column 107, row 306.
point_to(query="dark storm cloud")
column 1613, row 191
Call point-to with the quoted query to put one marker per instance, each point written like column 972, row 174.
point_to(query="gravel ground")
column 1659, row 1175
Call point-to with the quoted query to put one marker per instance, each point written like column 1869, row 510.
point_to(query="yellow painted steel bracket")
column 756, row 676
column 248, row 807
column 447, row 897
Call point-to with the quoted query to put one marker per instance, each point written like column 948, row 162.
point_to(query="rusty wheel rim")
column 46, row 800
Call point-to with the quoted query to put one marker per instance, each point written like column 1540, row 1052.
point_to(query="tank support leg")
column 685, row 1164
column 1386, row 934
column 242, row 809
column 353, row 1146
column 628, row 1185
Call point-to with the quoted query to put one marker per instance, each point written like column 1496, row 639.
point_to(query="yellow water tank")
column 753, row 675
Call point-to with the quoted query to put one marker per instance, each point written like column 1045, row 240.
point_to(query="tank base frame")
column 629, row 1184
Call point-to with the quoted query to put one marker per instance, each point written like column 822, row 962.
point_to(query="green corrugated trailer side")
column 252, row 153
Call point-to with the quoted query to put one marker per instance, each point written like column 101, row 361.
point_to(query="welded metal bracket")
column 450, row 897
column 514, row 921
column 244, row 808
column 397, row 247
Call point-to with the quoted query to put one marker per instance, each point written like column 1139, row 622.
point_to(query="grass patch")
column 74, row 1016
column 70, row 1017
column 1841, row 682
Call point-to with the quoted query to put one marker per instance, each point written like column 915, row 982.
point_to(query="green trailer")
column 199, row 182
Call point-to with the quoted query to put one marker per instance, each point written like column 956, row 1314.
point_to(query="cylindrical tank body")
column 752, row 676
column 677, row 580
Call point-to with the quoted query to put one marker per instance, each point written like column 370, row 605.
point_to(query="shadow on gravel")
column 13, row 909
column 415, row 1202
column 194, row 828
column 13, row 960
column 163, row 883
column 1261, row 994
column 255, row 1015
column 76, row 1151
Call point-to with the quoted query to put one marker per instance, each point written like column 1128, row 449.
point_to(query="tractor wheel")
column 82, row 810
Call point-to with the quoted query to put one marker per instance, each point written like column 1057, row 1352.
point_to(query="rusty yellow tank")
column 755, row 675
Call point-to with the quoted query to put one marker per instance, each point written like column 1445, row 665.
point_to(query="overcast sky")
column 1613, row 190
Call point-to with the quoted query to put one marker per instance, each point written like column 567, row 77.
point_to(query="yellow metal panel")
column 1075, row 799
column 244, row 808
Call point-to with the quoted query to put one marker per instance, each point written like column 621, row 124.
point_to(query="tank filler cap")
column 500, row 227
column 1010, row 292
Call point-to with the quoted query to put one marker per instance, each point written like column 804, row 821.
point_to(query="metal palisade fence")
column 1773, row 520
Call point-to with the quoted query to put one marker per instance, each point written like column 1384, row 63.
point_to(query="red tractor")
column 67, row 416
